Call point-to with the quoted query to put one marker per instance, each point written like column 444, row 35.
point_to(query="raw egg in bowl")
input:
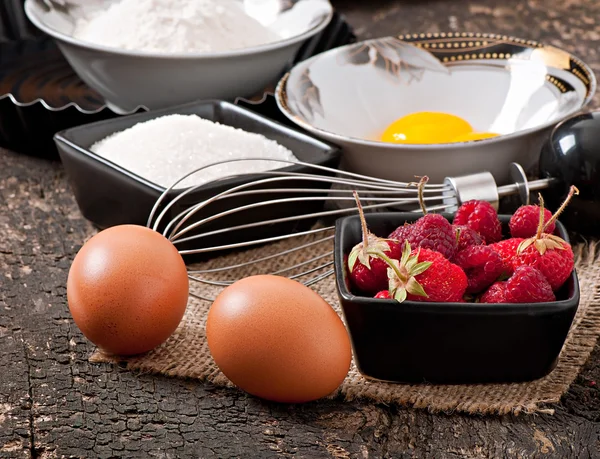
column 443, row 104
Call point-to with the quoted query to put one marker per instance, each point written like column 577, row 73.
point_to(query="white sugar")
column 171, row 26
column 165, row 149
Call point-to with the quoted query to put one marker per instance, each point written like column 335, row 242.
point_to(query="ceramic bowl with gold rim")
column 516, row 89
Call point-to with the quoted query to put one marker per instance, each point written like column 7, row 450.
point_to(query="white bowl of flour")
column 161, row 53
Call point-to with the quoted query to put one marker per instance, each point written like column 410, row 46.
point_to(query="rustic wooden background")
column 53, row 403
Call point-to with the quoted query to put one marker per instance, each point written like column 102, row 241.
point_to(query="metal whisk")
column 187, row 227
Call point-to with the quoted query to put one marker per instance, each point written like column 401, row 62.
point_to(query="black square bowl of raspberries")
column 460, row 340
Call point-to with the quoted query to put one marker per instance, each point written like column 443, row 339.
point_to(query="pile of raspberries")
column 467, row 261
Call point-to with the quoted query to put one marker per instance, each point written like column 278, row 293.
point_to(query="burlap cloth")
column 186, row 353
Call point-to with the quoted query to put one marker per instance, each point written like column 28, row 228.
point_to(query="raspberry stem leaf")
column 370, row 245
column 401, row 274
column 543, row 241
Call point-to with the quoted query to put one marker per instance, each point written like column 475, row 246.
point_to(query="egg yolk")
column 426, row 127
column 431, row 128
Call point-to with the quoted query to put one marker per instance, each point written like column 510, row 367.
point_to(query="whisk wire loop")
column 352, row 179
column 284, row 187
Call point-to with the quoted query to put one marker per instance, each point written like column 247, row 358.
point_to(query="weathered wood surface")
column 53, row 403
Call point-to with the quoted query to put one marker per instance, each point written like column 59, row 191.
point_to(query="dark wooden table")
column 53, row 403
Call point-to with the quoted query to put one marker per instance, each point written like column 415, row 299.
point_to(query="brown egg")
column 127, row 289
column 278, row 339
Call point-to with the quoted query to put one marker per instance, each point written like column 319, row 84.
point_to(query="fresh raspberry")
column 466, row 237
column 482, row 266
column 507, row 249
column 443, row 281
column 524, row 222
column 554, row 259
column 367, row 264
column 425, row 275
column 495, row 294
column 548, row 253
column 384, row 294
column 368, row 273
column 401, row 233
column 481, row 217
column 434, row 232
column 526, row 285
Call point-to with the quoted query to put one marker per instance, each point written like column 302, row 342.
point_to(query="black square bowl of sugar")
column 109, row 194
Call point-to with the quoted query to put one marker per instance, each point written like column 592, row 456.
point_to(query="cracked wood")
column 53, row 403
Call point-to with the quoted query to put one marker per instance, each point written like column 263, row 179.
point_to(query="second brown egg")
column 277, row 339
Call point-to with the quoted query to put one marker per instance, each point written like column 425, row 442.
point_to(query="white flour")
column 164, row 149
column 172, row 26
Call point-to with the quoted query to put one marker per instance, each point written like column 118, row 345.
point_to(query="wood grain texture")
column 53, row 403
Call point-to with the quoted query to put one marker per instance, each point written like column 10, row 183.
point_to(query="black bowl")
column 449, row 343
column 110, row 195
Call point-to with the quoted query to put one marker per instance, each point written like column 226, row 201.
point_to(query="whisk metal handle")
column 483, row 186
column 473, row 186
column 534, row 185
